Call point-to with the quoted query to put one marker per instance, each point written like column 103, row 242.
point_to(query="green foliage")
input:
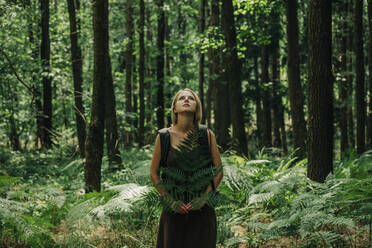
column 284, row 203
column 191, row 175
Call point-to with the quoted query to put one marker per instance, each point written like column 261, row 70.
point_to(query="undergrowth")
column 271, row 202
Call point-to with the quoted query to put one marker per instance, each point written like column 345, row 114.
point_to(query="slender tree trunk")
column 95, row 137
column 220, row 97
column 149, row 74
column 350, row 48
column 135, row 96
column 128, row 66
column 47, row 81
column 76, row 61
column 38, row 104
column 203, row 3
column 141, row 72
column 14, row 135
column 320, row 88
column 294, row 80
column 267, row 136
column 343, row 83
column 167, row 80
column 277, row 99
column 233, row 69
column 12, row 98
column 112, row 138
column 283, row 133
column 259, row 110
column 359, row 83
column 160, row 65
column 369, row 130
column 183, row 56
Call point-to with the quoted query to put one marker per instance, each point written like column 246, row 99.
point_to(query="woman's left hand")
column 197, row 203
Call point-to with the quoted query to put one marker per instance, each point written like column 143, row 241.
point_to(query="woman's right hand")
column 179, row 207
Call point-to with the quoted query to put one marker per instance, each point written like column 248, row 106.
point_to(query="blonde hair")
column 197, row 114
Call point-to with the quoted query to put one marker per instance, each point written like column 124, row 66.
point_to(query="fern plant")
column 189, row 178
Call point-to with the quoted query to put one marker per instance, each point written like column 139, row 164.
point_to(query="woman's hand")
column 176, row 206
column 197, row 203
column 179, row 207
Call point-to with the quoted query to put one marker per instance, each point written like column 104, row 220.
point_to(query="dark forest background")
column 285, row 86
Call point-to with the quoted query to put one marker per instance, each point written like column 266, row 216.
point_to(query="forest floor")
column 270, row 202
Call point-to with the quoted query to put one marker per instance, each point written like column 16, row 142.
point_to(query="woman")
column 186, row 227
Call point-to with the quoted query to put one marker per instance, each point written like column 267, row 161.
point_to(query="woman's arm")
column 216, row 161
column 177, row 206
column 154, row 167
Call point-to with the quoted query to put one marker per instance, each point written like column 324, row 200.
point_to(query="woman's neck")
column 185, row 121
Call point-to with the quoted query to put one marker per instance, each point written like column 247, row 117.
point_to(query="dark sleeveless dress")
column 196, row 229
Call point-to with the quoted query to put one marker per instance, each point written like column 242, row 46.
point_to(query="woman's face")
column 186, row 102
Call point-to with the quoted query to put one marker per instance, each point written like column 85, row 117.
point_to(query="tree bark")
column 343, row 82
column 320, row 88
column 220, row 96
column 183, row 56
column 135, row 97
column 359, row 81
column 38, row 103
column 259, row 110
column 141, row 74
column 350, row 48
column 267, row 136
column 167, row 68
column 76, row 61
column 277, row 99
column 94, row 142
column 369, row 130
column 294, row 80
column 128, row 67
column 233, row 69
column 112, row 138
column 201, row 59
column 160, row 65
column 46, row 140
column 149, row 74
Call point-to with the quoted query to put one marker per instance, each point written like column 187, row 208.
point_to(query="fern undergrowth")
column 270, row 202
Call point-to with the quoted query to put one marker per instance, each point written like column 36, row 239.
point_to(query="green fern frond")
column 191, row 175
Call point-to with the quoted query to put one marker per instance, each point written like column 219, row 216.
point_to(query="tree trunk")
column 141, row 73
column 94, row 142
column 369, row 130
column 320, row 88
column 47, row 81
column 267, row 137
column 128, row 67
column 259, row 110
column 38, row 104
column 183, row 56
column 220, row 96
column 76, row 61
column 233, row 70
column 277, row 98
column 112, row 138
column 350, row 48
column 135, row 97
column 294, row 80
column 201, row 59
column 167, row 80
column 359, row 71
column 160, row 65
column 343, row 83
column 149, row 74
